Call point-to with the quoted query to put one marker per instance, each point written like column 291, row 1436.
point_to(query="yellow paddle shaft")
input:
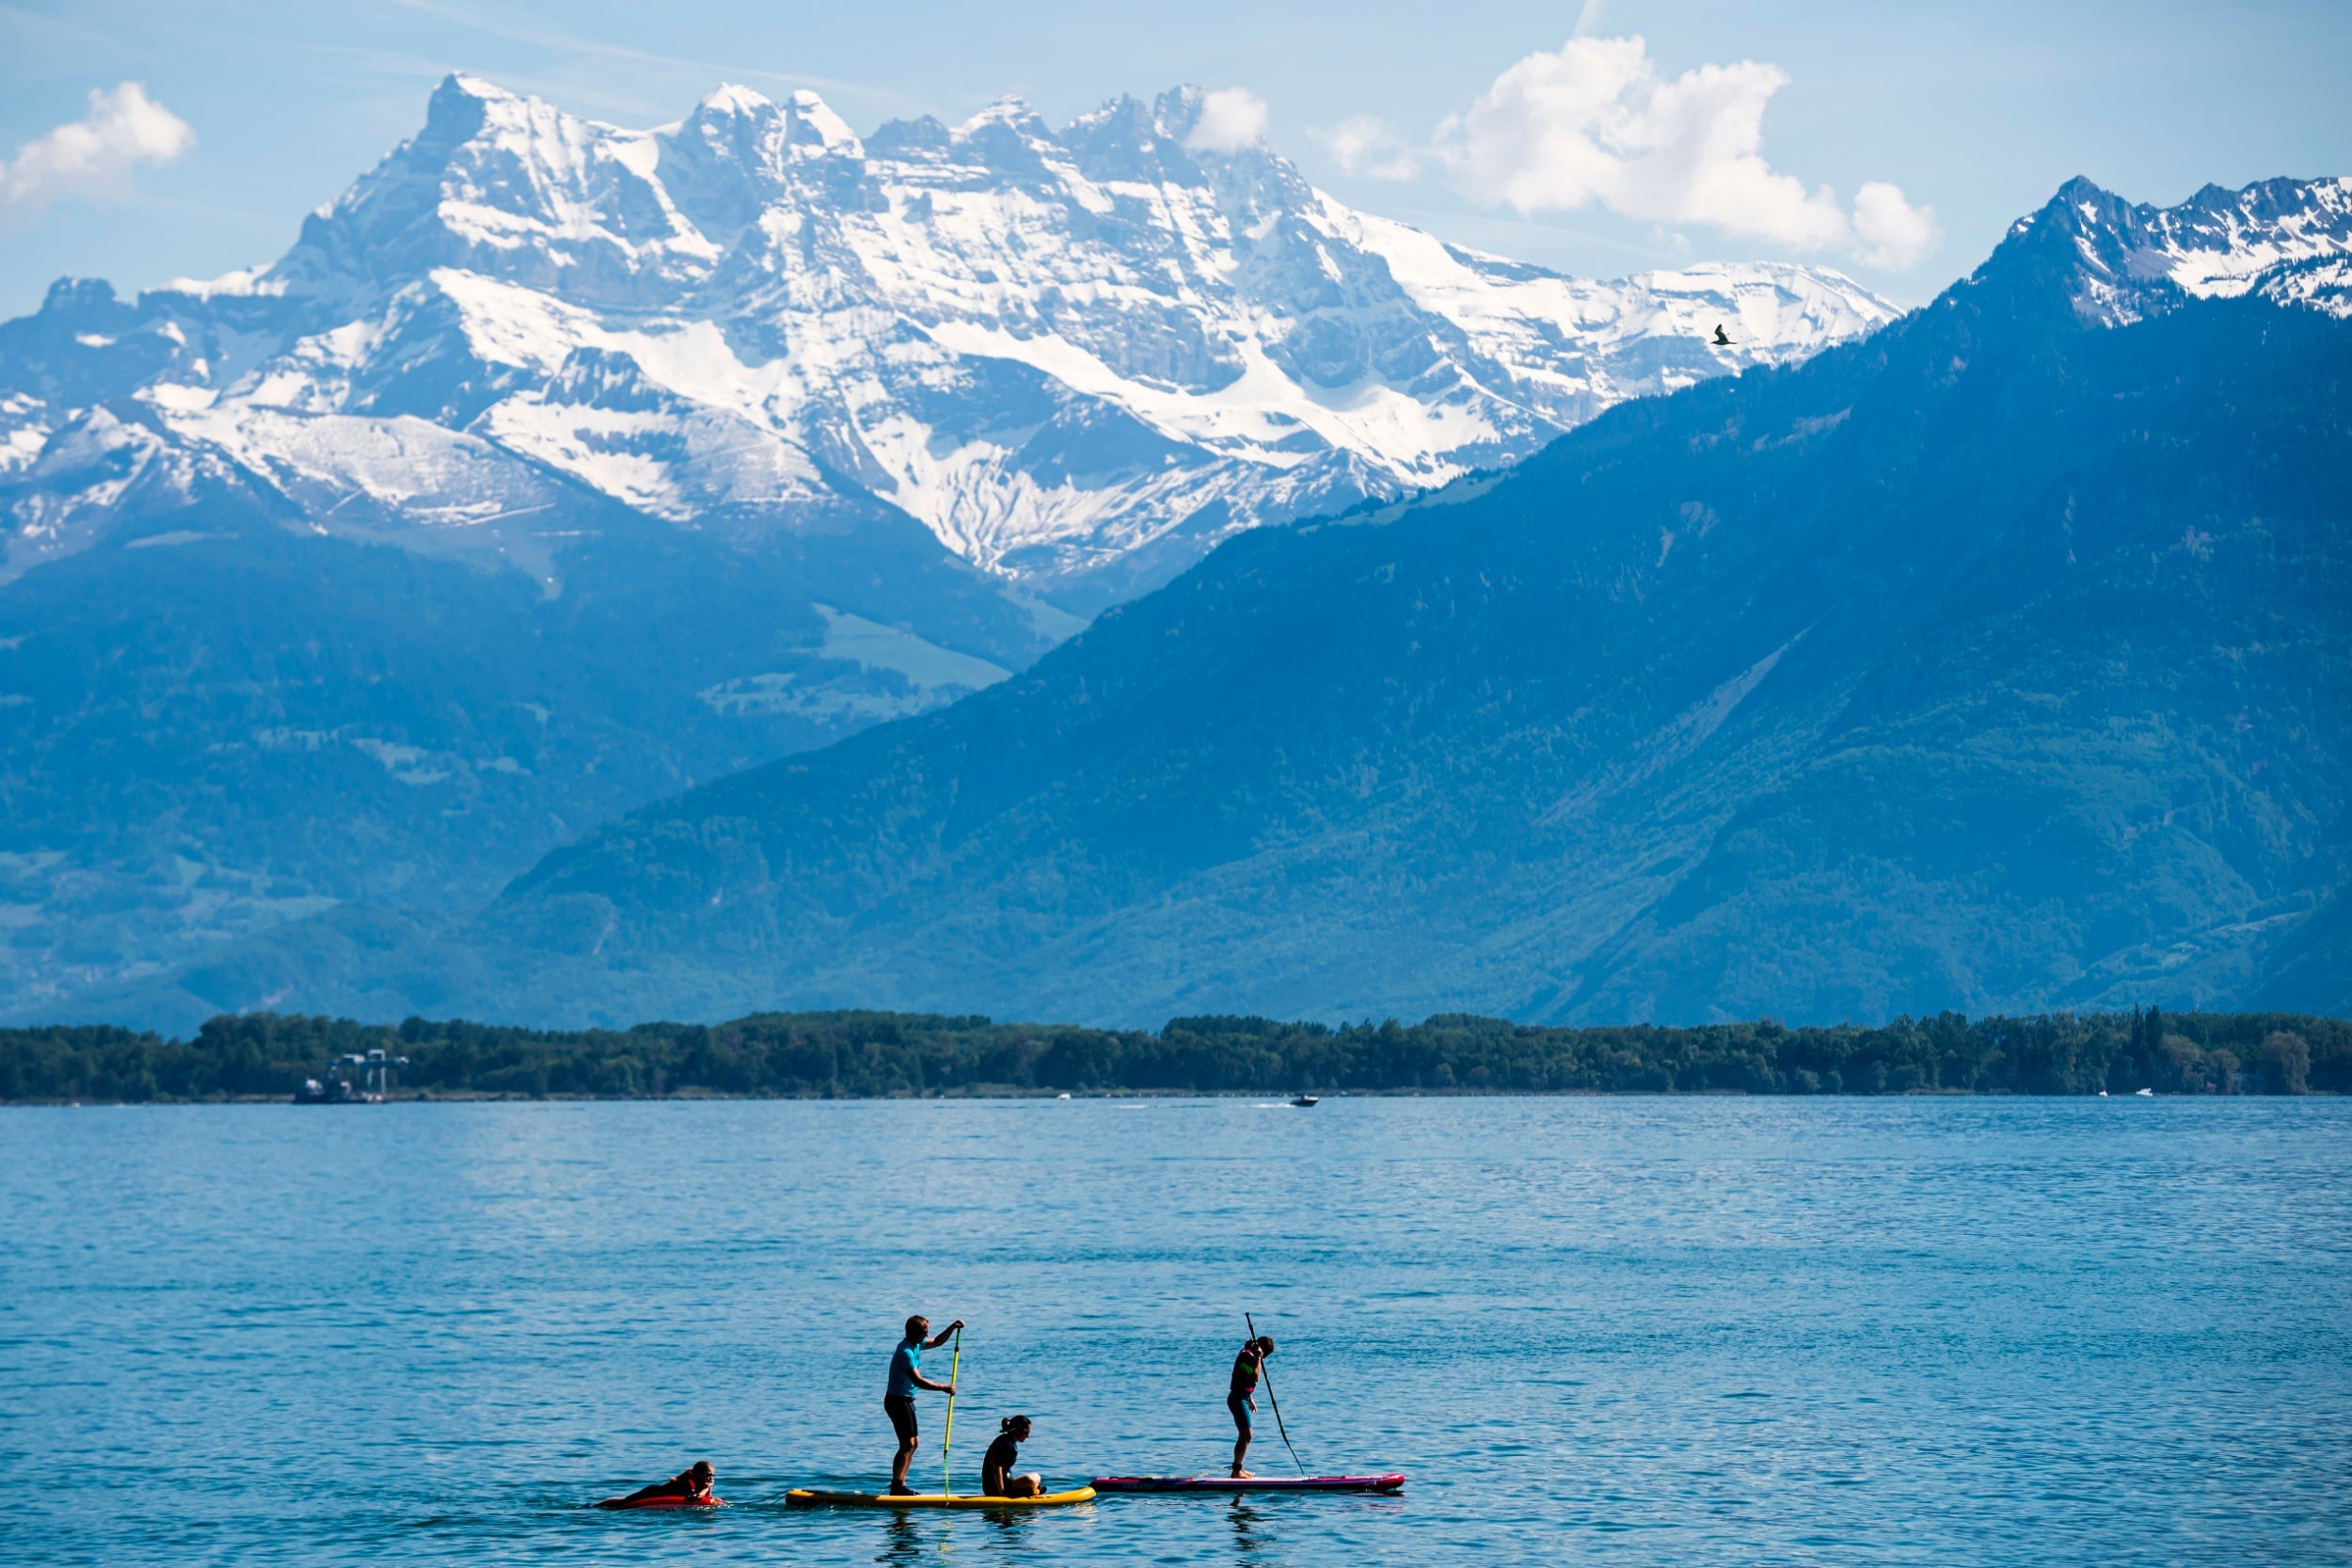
column 947, row 1443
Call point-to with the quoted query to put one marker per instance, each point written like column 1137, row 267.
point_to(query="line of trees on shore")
column 858, row 1054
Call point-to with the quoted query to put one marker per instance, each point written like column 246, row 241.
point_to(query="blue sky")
column 1540, row 131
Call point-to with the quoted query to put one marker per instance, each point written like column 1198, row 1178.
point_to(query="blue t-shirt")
column 904, row 1363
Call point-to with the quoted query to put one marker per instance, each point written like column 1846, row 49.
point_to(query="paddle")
column 947, row 1443
column 1268, row 1378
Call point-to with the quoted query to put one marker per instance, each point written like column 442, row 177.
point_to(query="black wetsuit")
column 996, row 1464
column 680, row 1485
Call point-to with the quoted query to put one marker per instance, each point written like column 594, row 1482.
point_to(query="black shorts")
column 1239, row 1405
column 901, row 1408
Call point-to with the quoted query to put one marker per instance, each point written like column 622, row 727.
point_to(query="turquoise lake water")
column 1621, row 1330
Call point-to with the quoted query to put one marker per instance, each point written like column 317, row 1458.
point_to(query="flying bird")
column 1720, row 342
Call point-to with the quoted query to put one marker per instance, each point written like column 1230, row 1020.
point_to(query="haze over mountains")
column 558, row 467
column 2000, row 660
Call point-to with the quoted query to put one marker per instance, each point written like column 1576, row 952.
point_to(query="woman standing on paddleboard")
column 1241, row 1397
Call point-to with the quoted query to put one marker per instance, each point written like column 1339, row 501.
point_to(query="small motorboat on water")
column 1306, row 1102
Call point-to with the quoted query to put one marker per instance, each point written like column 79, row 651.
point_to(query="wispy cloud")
column 1596, row 124
column 90, row 158
column 1364, row 144
column 558, row 41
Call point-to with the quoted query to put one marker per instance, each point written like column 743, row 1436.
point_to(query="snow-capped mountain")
column 1078, row 358
column 2287, row 241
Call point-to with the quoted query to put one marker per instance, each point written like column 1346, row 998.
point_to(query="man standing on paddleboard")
column 906, row 1376
column 1241, row 1399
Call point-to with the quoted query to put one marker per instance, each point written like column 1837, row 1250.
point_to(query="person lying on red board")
column 686, row 1486
column 996, row 1477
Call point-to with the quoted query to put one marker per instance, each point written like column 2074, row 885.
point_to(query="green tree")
column 2179, row 1064
column 2285, row 1060
column 2223, row 1066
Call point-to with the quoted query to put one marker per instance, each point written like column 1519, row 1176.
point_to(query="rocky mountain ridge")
column 2287, row 241
column 1078, row 357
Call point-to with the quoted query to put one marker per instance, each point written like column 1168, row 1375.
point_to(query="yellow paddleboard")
column 801, row 1497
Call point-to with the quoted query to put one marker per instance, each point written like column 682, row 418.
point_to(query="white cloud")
column 1232, row 119
column 1893, row 233
column 1363, row 144
column 1596, row 124
column 93, row 156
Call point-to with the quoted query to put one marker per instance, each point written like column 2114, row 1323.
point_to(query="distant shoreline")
column 999, row 1096
column 261, row 1057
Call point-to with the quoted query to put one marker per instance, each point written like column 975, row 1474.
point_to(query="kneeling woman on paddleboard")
column 996, row 1477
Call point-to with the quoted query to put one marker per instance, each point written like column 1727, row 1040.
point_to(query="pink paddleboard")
column 1255, row 1484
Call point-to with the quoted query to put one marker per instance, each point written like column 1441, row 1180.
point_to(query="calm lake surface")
column 1628, row 1330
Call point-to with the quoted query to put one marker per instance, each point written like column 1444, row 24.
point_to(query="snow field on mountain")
column 1054, row 349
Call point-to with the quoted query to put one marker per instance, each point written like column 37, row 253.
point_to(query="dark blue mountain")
column 2002, row 660
column 221, row 721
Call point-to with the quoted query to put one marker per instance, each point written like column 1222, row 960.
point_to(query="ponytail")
column 1005, row 1427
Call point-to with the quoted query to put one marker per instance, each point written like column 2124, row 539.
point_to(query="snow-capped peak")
column 466, row 84
column 729, row 97
column 804, row 123
column 829, row 129
column 1010, row 109
column 510, row 185
column 2288, row 240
